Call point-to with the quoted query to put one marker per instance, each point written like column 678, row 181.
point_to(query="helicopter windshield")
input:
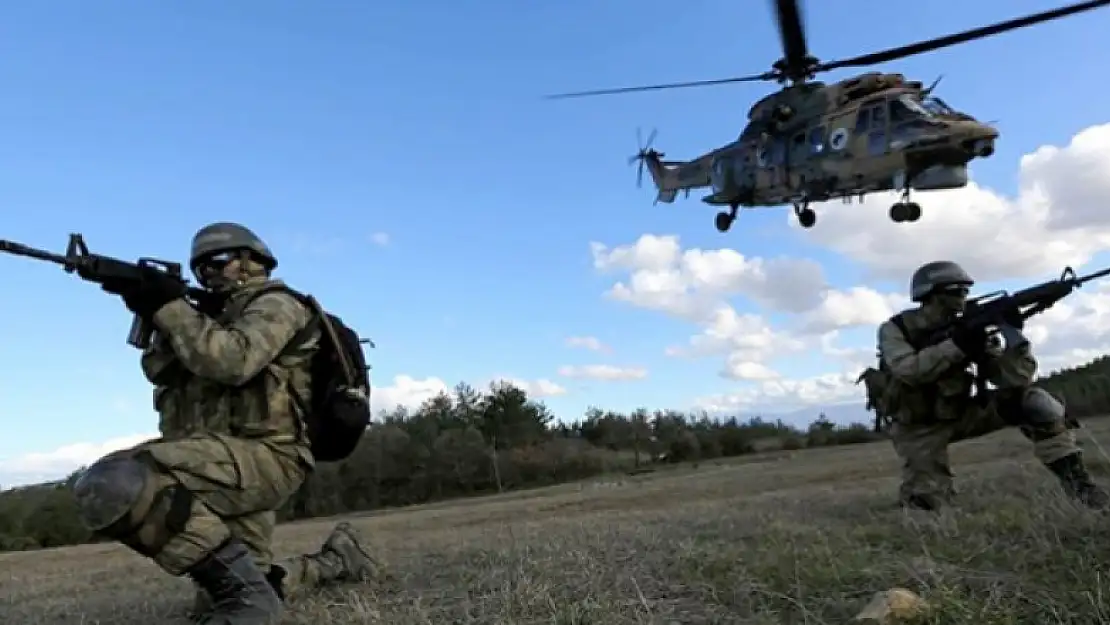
column 938, row 106
column 914, row 106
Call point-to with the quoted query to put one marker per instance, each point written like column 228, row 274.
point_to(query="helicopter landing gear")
column 905, row 210
column 806, row 216
column 724, row 219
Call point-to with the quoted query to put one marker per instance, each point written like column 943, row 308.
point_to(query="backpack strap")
column 319, row 319
column 900, row 322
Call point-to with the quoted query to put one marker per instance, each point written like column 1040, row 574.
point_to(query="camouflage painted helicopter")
column 812, row 142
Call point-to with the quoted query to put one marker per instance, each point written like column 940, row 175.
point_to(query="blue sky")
column 324, row 125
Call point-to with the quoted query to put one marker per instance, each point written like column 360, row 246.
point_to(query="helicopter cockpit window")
column 937, row 106
column 912, row 105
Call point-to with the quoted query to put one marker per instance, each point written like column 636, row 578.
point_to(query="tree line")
column 470, row 442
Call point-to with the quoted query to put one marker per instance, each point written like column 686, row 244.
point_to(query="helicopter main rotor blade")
column 961, row 37
column 673, row 85
column 788, row 16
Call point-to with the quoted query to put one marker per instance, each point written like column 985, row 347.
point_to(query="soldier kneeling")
column 930, row 400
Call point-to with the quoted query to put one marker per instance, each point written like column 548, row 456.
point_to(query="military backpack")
column 339, row 412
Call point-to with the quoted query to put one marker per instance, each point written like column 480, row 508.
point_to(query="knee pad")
column 122, row 498
column 1039, row 406
column 109, row 490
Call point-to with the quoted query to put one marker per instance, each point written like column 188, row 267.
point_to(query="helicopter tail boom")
column 662, row 176
column 670, row 177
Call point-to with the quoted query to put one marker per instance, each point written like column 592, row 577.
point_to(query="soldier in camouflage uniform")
column 929, row 395
column 200, row 499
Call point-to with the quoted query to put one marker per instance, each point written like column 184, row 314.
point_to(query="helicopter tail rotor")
column 645, row 152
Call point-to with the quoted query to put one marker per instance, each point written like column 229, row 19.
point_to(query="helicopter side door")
column 797, row 160
column 771, row 160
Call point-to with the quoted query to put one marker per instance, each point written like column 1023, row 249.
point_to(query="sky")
column 401, row 162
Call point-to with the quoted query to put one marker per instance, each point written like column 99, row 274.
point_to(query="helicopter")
column 813, row 142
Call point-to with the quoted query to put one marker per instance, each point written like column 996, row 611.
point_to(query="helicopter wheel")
column 806, row 216
column 724, row 221
column 905, row 212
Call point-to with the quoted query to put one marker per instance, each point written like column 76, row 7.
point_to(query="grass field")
column 801, row 538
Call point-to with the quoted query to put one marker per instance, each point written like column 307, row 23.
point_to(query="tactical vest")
column 262, row 408
column 942, row 399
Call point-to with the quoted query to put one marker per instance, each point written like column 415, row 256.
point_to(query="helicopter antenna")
column 930, row 88
column 798, row 65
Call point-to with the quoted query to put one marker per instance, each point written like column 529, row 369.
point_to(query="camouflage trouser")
column 923, row 447
column 233, row 486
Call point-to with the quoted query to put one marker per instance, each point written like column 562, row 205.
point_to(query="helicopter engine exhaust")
column 941, row 177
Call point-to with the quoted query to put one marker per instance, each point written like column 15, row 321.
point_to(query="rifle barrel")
column 1094, row 276
column 19, row 249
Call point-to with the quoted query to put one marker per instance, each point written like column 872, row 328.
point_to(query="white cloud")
column 608, row 373
column 1074, row 331
column 536, row 389
column 855, row 358
column 785, row 395
column 690, row 283
column 736, row 368
column 587, row 342
column 746, row 336
column 38, row 467
column 406, row 391
column 856, row 306
column 380, row 238
column 696, row 285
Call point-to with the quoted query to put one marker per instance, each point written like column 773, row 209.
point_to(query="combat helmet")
column 939, row 273
column 225, row 236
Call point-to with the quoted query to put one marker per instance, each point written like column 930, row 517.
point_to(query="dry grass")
column 800, row 539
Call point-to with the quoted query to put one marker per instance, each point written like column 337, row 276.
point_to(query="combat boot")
column 343, row 557
column 238, row 592
column 1077, row 482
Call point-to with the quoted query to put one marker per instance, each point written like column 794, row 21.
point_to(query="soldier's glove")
column 972, row 340
column 211, row 304
column 146, row 296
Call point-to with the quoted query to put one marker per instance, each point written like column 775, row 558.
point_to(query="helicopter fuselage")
column 813, row 143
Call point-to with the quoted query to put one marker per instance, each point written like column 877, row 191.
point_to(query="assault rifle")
column 104, row 269
column 1001, row 313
